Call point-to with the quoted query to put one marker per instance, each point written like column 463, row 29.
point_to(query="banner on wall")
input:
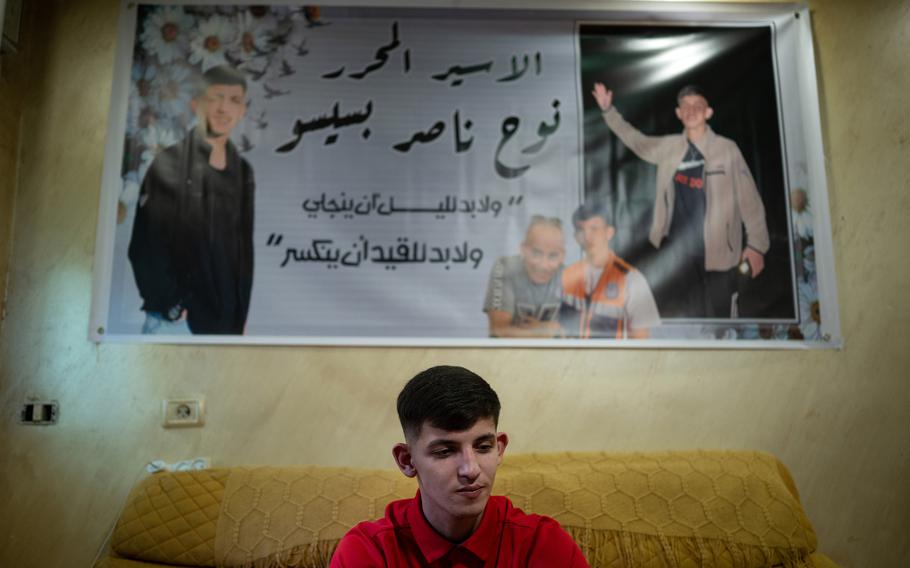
column 435, row 176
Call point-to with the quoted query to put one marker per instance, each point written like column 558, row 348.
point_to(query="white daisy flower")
column 212, row 39
column 172, row 90
column 809, row 313
column 166, row 34
column 142, row 76
column 138, row 112
column 153, row 139
column 802, row 213
column 252, row 37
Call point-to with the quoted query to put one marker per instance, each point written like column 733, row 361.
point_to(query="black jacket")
column 192, row 241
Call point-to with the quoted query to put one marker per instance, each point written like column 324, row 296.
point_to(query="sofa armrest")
column 171, row 518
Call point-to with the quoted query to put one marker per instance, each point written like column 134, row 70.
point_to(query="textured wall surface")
column 13, row 77
column 839, row 419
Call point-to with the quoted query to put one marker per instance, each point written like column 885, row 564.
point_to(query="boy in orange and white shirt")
column 603, row 296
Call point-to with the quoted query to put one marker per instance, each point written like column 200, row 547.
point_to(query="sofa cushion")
column 171, row 518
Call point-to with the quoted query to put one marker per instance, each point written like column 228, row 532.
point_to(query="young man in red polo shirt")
column 449, row 416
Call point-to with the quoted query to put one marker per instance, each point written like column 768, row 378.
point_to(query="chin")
column 474, row 509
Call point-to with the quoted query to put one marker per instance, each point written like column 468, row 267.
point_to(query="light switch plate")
column 183, row 412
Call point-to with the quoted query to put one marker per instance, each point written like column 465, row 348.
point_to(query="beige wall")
column 13, row 77
column 840, row 420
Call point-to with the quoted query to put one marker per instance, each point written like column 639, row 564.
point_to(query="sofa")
column 688, row 509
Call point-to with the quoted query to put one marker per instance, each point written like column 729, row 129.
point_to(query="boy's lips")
column 470, row 491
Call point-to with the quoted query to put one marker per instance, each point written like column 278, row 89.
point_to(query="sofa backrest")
column 716, row 508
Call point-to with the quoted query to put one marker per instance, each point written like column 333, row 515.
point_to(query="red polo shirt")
column 505, row 538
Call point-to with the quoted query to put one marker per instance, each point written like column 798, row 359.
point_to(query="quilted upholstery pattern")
column 269, row 510
column 669, row 508
column 171, row 518
column 722, row 509
column 719, row 509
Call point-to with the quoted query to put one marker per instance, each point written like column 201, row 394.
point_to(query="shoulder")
column 722, row 143
column 367, row 540
column 636, row 279
column 573, row 278
column 547, row 537
column 621, row 265
column 514, row 516
column 359, row 547
column 235, row 155
column 633, row 276
column 165, row 173
column 169, row 157
column 245, row 166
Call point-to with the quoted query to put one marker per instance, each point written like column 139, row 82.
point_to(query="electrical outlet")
column 39, row 413
column 182, row 412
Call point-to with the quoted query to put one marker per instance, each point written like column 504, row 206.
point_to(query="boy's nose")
column 469, row 468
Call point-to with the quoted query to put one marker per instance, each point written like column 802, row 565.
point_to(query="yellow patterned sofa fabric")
column 702, row 508
column 698, row 508
column 171, row 519
column 721, row 509
column 296, row 516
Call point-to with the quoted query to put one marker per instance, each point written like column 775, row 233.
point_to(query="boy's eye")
column 441, row 453
column 484, row 447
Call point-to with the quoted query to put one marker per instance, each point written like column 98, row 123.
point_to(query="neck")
column 600, row 260
column 453, row 529
column 695, row 134
column 218, row 154
column 217, row 141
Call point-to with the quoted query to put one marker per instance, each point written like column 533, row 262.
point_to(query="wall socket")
column 39, row 412
column 183, row 412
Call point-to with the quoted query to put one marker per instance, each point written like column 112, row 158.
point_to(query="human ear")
column 402, row 454
column 502, row 440
column 611, row 230
column 679, row 113
column 709, row 112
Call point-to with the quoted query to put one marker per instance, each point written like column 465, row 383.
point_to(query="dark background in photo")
column 645, row 66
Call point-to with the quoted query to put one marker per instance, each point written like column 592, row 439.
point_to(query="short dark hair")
column 691, row 90
column 447, row 397
column 590, row 209
column 220, row 75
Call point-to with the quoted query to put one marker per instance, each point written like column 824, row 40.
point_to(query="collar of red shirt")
column 434, row 546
